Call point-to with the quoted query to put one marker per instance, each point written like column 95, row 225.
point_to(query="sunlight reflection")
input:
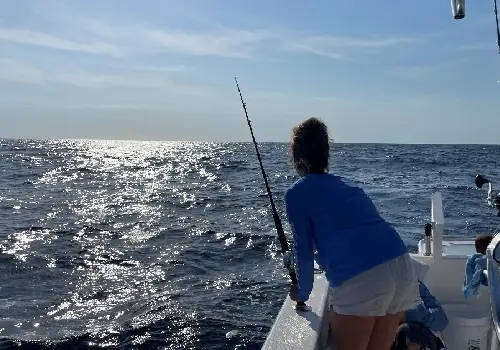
column 138, row 229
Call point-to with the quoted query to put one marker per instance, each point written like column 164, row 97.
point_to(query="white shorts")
column 385, row 289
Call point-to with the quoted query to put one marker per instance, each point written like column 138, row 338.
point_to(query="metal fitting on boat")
column 427, row 242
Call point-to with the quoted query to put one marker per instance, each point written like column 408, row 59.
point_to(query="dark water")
column 171, row 245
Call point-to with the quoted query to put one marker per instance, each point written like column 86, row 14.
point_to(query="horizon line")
column 240, row 141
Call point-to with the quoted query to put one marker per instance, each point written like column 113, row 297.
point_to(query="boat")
column 307, row 327
column 309, row 330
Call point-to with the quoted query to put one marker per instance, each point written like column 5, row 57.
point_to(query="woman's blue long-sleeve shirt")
column 338, row 218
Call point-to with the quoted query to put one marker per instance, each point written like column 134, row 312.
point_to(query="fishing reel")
column 493, row 196
column 289, row 262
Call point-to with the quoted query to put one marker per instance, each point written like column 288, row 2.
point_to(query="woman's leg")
column 357, row 303
column 375, row 301
column 384, row 331
column 351, row 332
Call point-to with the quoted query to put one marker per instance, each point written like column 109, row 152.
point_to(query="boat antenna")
column 287, row 260
column 498, row 28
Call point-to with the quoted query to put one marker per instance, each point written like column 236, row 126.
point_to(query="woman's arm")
column 304, row 255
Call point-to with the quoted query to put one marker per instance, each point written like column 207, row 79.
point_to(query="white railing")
column 298, row 330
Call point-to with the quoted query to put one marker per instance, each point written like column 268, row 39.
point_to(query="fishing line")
column 287, row 257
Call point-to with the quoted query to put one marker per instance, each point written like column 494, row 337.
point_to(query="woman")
column 371, row 277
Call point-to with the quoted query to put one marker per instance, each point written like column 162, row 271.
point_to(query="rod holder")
column 428, row 235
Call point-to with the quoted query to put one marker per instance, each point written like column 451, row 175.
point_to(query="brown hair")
column 310, row 146
column 481, row 242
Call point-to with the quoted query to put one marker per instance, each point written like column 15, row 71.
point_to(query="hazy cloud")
column 337, row 47
column 13, row 71
column 34, row 38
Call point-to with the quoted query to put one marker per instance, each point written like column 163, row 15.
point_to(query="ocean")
column 171, row 245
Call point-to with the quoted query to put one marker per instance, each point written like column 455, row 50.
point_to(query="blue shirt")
column 474, row 277
column 338, row 218
column 429, row 312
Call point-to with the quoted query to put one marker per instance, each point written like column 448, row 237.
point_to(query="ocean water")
column 171, row 245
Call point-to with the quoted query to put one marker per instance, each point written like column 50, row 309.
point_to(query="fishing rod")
column 287, row 257
column 496, row 19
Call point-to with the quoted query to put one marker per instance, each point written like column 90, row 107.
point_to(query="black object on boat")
column 481, row 180
column 493, row 196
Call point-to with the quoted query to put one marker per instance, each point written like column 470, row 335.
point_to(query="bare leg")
column 384, row 331
column 351, row 332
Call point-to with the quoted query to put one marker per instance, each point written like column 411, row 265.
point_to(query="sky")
column 375, row 71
